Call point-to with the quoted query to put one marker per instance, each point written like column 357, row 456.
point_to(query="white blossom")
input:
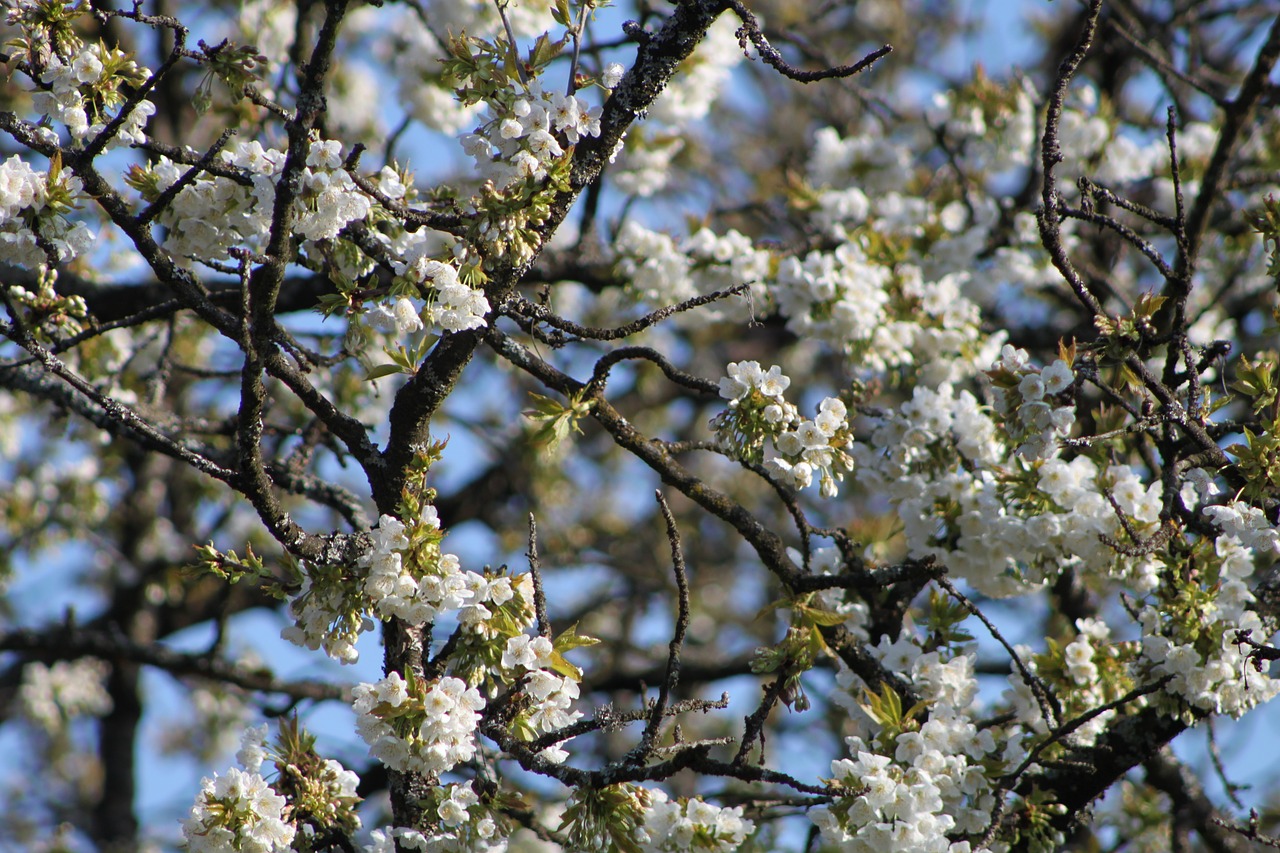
column 612, row 75
column 52, row 695
column 237, row 811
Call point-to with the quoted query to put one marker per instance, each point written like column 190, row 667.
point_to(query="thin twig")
column 1215, row 755
column 517, row 306
column 511, row 40
column 1049, row 705
column 600, row 374
column 535, row 571
column 754, row 728
column 116, row 412
column 576, row 34
column 750, row 30
column 1047, row 216
column 1076, row 722
column 165, row 198
column 650, row 737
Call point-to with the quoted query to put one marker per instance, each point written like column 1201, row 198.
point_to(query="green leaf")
column 558, row 418
column 884, row 707
column 815, row 616
column 383, row 370
column 560, row 664
column 544, row 50
column 1148, row 304
column 570, row 639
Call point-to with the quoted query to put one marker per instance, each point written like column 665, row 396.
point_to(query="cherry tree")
column 712, row 425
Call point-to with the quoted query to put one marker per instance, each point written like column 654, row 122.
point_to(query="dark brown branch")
column 600, row 373
column 750, row 31
column 649, row 739
column 1166, row 773
column 768, row 545
column 535, row 571
column 63, row 642
column 1048, row 215
column 1050, row 707
column 657, row 59
column 517, row 306
column 101, row 409
column 1234, row 123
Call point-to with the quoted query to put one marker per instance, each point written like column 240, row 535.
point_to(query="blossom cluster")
column 803, row 448
column 253, row 747
column 756, row 408
column 519, row 136
column 1247, row 524
column 903, row 287
column 968, row 490
column 1033, row 400
column 404, row 575
column 415, row 257
column 211, row 214
column 328, row 612
column 531, row 660
column 241, row 811
column 864, row 190
column 674, row 826
column 1189, row 633
column 35, row 230
column 1021, row 698
column 51, row 695
column 456, row 307
column 1081, row 658
column 1003, row 522
column 80, row 94
column 838, row 297
column 1087, row 672
column 329, row 198
column 553, row 697
column 426, row 728
column 80, row 85
column 901, row 808
column 466, row 825
column 908, row 784
column 400, row 317
column 896, row 293
column 420, row 593
column 237, row 811
column 214, row 213
column 662, row 271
